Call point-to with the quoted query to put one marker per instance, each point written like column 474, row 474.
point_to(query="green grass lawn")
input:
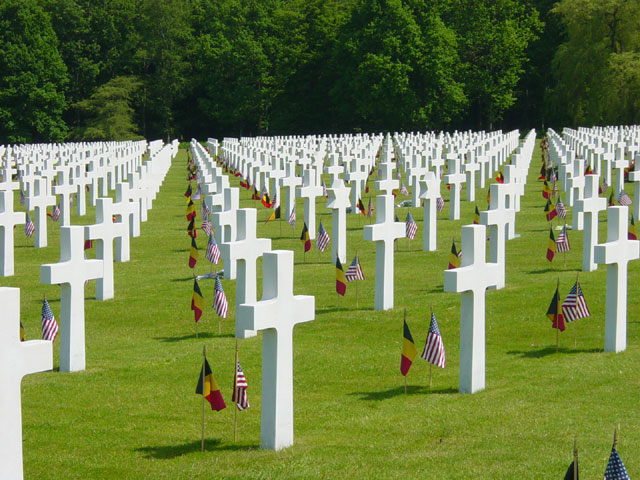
column 133, row 413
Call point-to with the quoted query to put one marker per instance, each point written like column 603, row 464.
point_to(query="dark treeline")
column 118, row 69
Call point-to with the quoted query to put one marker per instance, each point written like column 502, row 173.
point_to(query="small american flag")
column 274, row 200
column 562, row 213
column 398, row 174
column 439, row 204
column 615, row 468
column 575, row 306
column 219, row 300
column 322, row 240
column 411, row 226
column 29, row 227
column 623, row 199
column 354, row 271
column 552, row 176
column 213, row 252
column 604, row 186
column 55, row 213
column 49, row 326
column 196, row 194
column 240, row 389
column 403, row 190
column 206, row 227
column 21, row 197
column 204, row 210
column 433, row 351
column 562, row 242
column 370, row 209
column 324, row 189
column 292, row 217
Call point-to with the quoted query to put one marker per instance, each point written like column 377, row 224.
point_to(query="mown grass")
column 133, row 412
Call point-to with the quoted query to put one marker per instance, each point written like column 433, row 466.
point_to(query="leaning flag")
column 322, row 238
column 454, row 258
column 575, row 306
column 204, row 209
column 292, row 217
column 196, row 194
column 304, row 237
column 219, row 299
column 476, row 217
column 588, row 170
column 341, row 283
column 433, row 351
column 369, row 209
column 206, row 227
column 191, row 210
column 500, row 178
column 240, row 389
column 623, row 199
column 197, row 302
column 615, row 468
column 48, row 323
column 274, row 214
column 193, row 253
column 208, row 388
column 551, row 246
column 29, row 227
column 631, row 234
column 188, row 192
column 410, row 226
column 265, row 200
column 611, row 204
column 570, row 474
column 354, row 271
column 21, row 332
column 213, row 251
column 409, row 351
column 546, row 190
column 554, row 312
column 562, row 242
column 55, row 213
column 562, row 213
column 191, row 228
column 440, row 203
column 550, row 211
column 361, row 207
column 403, row 189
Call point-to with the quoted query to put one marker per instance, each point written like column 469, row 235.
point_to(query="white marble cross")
column 242, row 255
column 334, row 170
column 496, row 219
column 454, row 178
column 277, row 312
column 634, row 177
column 356, row 178
column 470, row 169
column 387, row 182
column 383, row 233
column 224, row 221
column 415, row 175
column 338, row 202
column 429, row 192
column 71, row 272
column 39, row 200
column 616, row 254
column 65, row 189
column 8, row 218
column 575, row 192
column 471, row 280
column 290, row 181
column 619, row 164
column 17, row 359
column 590, row 206
column 309, row 191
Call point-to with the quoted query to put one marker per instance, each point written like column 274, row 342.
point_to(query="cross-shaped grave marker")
column 471, row 280
column 338, row 202
column 497, row 218
column 309, row 191
column 590, row 206
column 454, row 178
column 39, row 200
column 634, row 177
column 8, row 219
column 616, row 254
column 277, row 312
column 575, row 192
column 71, row 272
column 356, row 178
column 17, row 359
column 387, row 182
column 65, row 189
column 470, row 169
column 429, row 192
column 290, row 181
column 224, row 221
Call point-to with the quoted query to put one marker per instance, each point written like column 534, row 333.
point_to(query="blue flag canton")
column 615, row 468
column 433, row 326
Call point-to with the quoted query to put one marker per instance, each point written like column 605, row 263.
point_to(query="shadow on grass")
column 342, row 309
column 551, row 350
column 192, row 336
column 173, row 451
column 185, row 279
column 398, row 391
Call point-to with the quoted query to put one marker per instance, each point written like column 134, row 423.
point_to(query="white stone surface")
column 454, row 178
column 39, row 200
column 338, row 202
column 8, row 218
column 429, row 193
column 309, row 191
column 590, row 206
column 496, row 219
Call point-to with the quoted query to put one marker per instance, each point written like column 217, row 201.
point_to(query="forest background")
column 73, row 70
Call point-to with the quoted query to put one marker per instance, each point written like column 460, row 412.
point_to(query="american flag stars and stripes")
column 206, row 227
column 240, row 389
column 213, row 251
column 439, row 204
column 562, row 242
column 55, row 213
column 433, row 351
column 562, row 213
column 403, row 190
column 204, row 210
column 292, row 217
column 575, row 306
column 624, row 199
column 48, row 324
column 29, row 227
column 322, row 239
column 615, row 468
column 354, row 271
column 411, row 226
column 219, row 300
column 370, row 209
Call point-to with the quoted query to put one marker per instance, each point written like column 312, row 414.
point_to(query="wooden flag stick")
column 204, row 359
column 235, row 410
column 615, row 437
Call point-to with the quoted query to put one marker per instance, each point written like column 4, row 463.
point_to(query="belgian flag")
column 554, row 312
column 191, row 228
column 304, row 238
column 341, row 282
column 193, row 254
column 361, row 207
column 208, row 388
column 275, row 214
column 588, row 170
column 500, row 177
column 191, row 210
column 611, row 204
column 454, row 259
column 266, row 201
column 550, row 211
column 409, row 350
column 551, row 247
column 631, row 235
column 188, row 192
column 476, row 217
column 21, row 332
column 197, row 301
column 546, row 190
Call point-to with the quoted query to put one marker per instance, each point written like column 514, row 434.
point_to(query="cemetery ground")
column 133, row 413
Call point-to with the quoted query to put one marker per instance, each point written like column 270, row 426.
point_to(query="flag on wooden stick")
column 208, row 388
column 554, row 312
column 433, row 351
column 240, row 389
column 409, row 350
column 48, row 324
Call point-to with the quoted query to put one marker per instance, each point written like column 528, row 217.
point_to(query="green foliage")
column 32, row 75
column 108, row 112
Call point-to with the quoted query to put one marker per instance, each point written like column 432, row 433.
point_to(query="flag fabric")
column 500, row 177
column 409, row 351
column 602, row 188
column 433, row 351
column 454, row 257
column 554, row 312
column 29, row 227
column 213, row 252
column 188, row 192
column 476, row 216
column 21, row 332
column 274, row 214
column 264, row 199
column 191, row 228
column 206, row 227
column 554, row 190
column 403, row 189
column 410, row 226
column 220, row 305
column 240, row 389
column 551, row 246
column 560, row 211
column 292, row 217
column 324, row 189
column 322, row 238
column 88, row 244
column 623, row 199
column 615, row 468
column 588, row 170
column 48, row 324
column 575, row 306
column 354, row 271
column 197, row 302
column 208, row 388
column 193, row 253
column 546, row 190
column 204, row 210
column 304, row 238
column 439, row 204
column 631, row 234
column 370, row 209
column 611, row 204
column 569, row 475
column 550, row 211
column 341, row 282
column 562, row 242
column 55, row 213
column 196, row 194
column 361, row 207
column 21, row 197
column 191, row 210
column 274, row 200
